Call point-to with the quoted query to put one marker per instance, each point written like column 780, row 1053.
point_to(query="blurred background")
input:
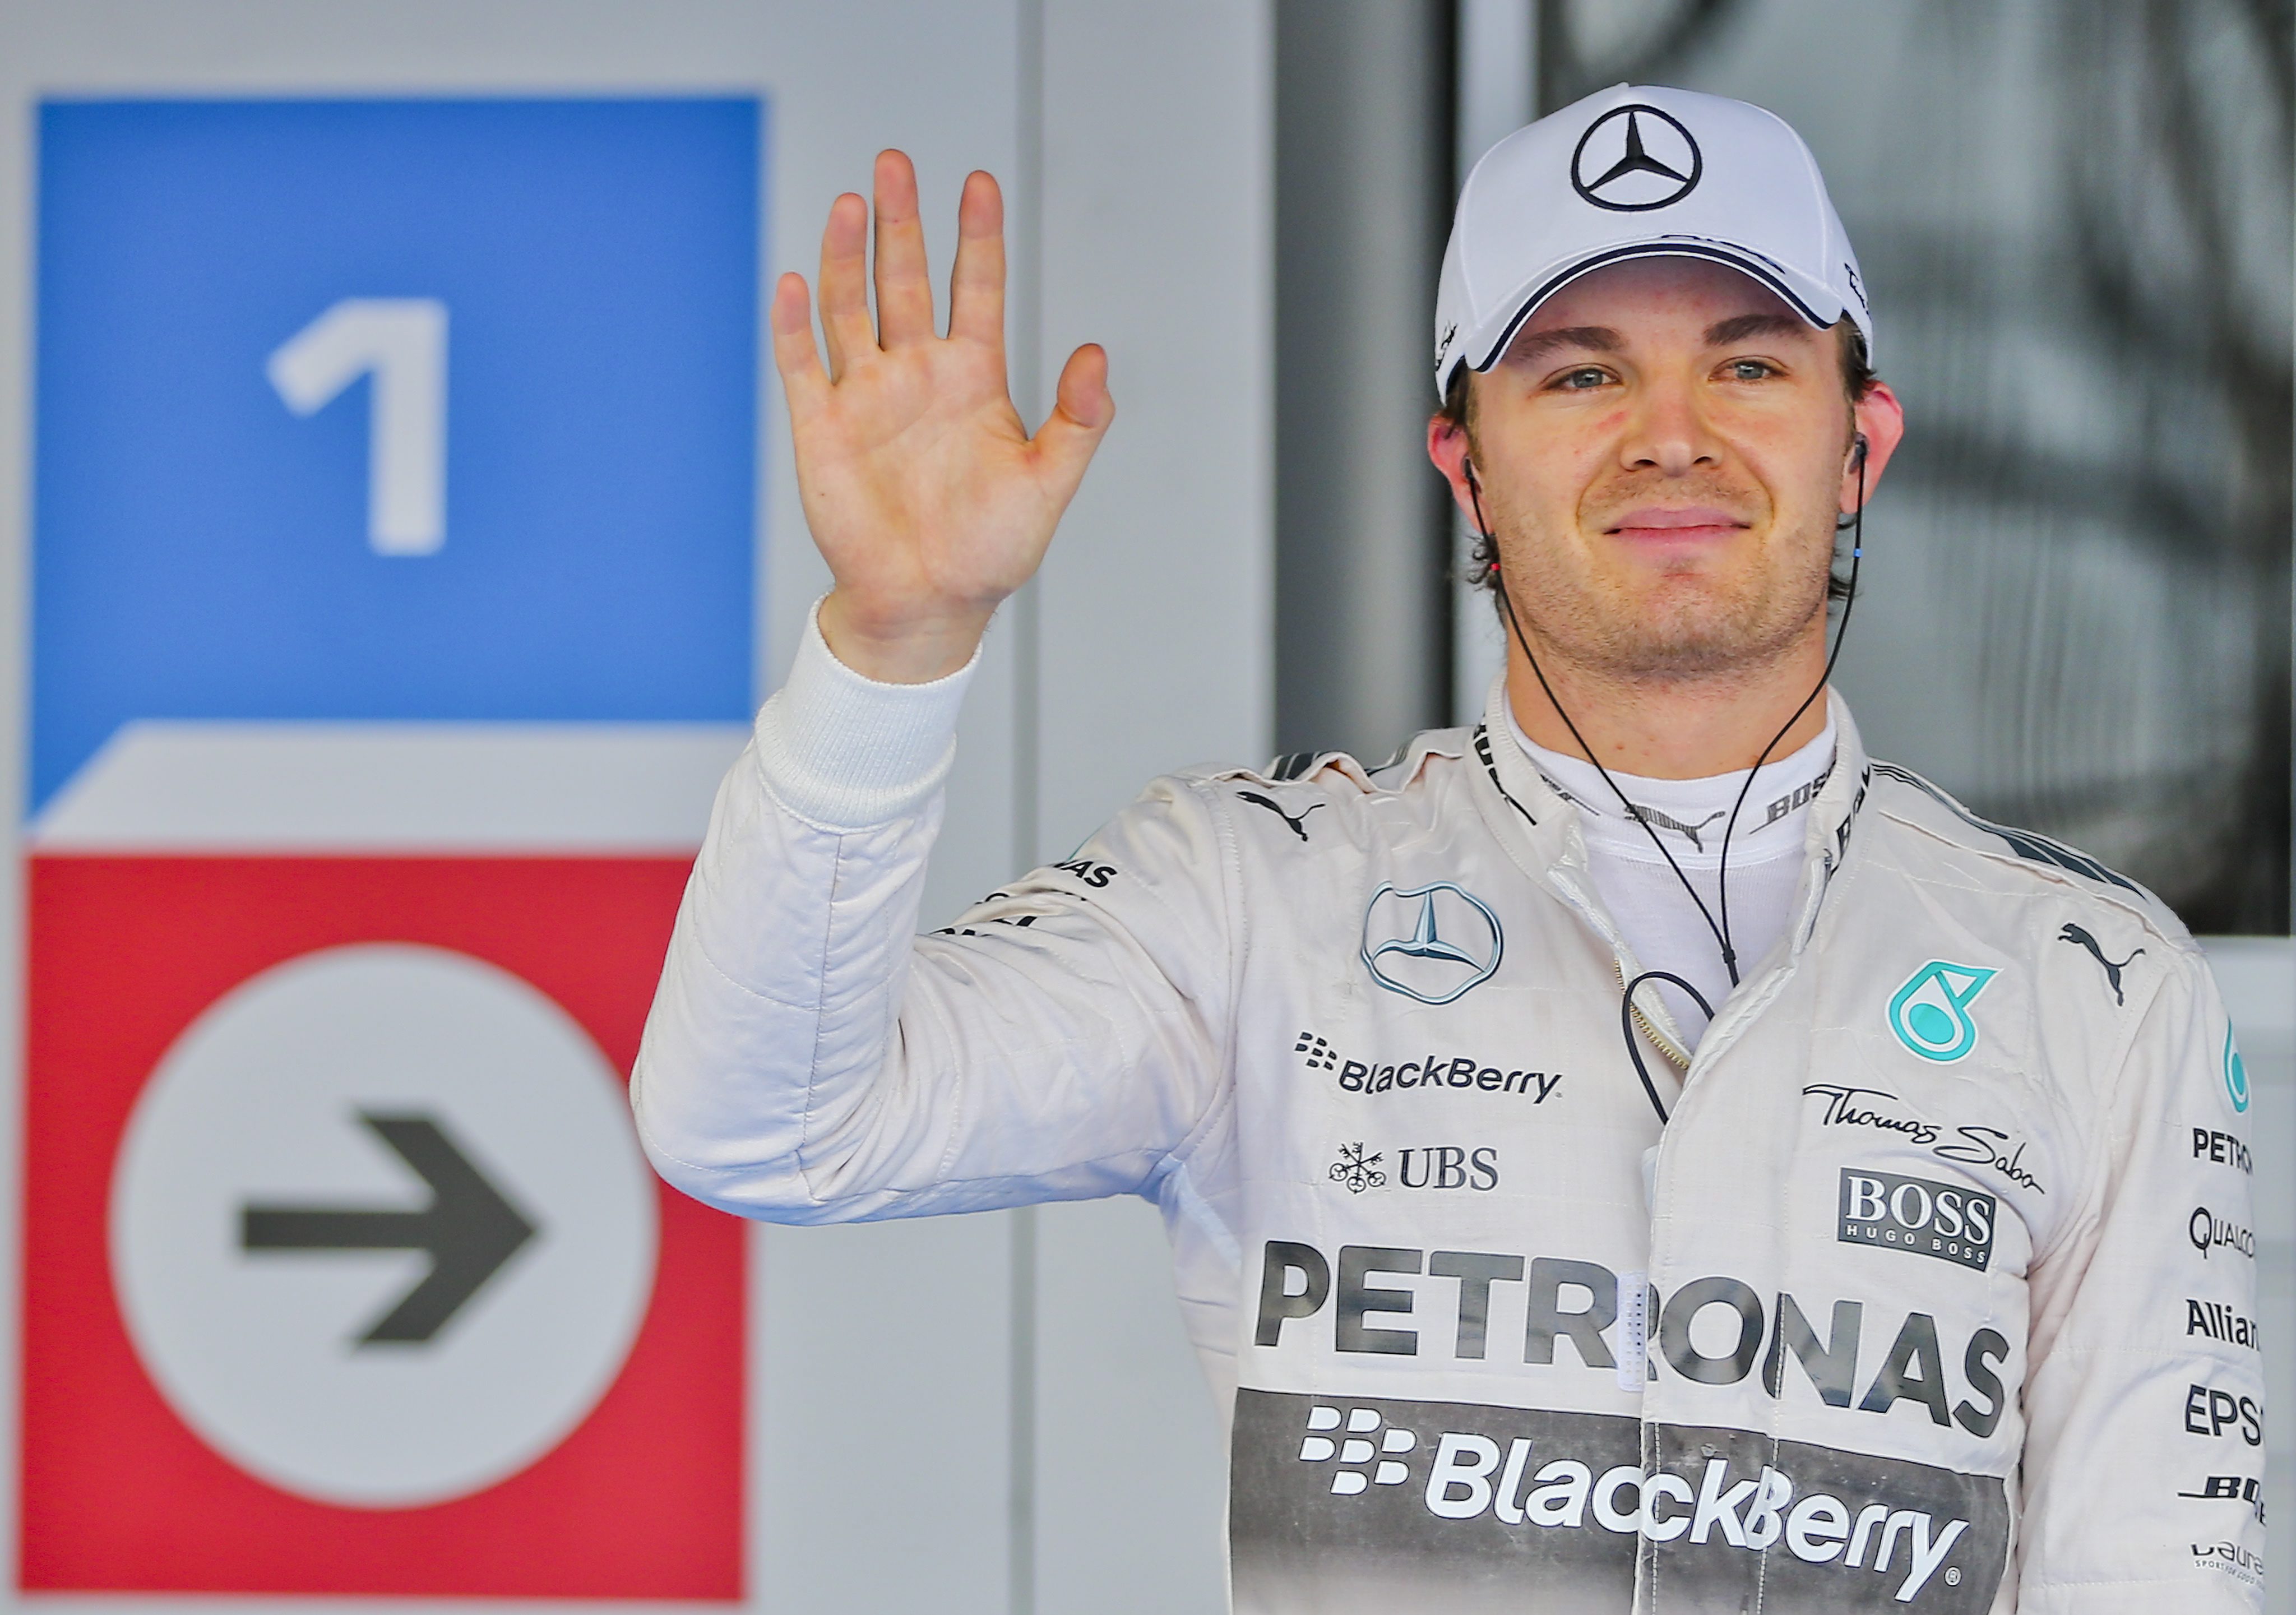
column 396, row 530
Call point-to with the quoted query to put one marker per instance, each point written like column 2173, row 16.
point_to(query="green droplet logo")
column 1930, row 1013
column 2235, row 1076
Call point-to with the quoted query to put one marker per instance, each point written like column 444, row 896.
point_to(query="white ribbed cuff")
column 846, row 752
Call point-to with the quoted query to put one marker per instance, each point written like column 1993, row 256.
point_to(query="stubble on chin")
column 1666, row 629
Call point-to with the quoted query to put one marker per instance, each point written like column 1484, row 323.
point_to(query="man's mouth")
column 1676, row 524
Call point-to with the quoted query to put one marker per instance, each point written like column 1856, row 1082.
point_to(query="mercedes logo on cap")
column 1635, row 158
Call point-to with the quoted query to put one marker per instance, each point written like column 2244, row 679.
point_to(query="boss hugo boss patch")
column 1950, row 1221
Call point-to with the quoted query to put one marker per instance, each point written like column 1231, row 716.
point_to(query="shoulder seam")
column 2030, row 847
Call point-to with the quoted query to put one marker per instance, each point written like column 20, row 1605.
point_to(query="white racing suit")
column 1942, row 1297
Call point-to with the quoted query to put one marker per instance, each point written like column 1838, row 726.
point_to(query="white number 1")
column 402, row 342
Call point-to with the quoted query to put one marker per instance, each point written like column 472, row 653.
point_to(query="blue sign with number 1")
column 420, row 410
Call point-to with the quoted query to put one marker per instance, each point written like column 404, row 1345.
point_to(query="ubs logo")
column 1449, row 1167
column 1949, row 1221
column 1356, row 1171
column 1431, row 943
column 1439, row 1167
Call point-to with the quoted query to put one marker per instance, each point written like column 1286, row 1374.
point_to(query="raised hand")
column 922, row 487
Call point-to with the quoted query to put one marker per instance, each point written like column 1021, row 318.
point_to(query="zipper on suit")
column 1658, row 1039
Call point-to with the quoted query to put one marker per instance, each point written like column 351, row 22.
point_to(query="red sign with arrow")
column 132, row 1479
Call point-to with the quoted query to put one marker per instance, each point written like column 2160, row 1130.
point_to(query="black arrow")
column 469, row 1228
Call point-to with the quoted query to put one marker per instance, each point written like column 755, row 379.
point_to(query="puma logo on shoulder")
column 2074, row 934
column 1293, row 820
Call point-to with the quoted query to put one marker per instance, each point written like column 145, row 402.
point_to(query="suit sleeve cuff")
column 846, row 752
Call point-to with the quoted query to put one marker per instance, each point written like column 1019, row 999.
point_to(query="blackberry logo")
column 1358, row 1170
column 1433, row 1069
column 1887, row 1529
column 1355, row 1450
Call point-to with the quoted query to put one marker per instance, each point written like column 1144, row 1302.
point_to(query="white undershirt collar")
column 1690, row 815
column 1647, row 899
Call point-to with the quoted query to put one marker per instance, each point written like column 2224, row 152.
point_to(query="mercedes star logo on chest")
column 1431, row 943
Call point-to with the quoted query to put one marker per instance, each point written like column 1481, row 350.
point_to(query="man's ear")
column 1880, row 424
column 1448, row 448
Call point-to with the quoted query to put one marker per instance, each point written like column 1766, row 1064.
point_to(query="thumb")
column 1082, row 411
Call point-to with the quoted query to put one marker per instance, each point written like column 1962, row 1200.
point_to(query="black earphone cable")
column 1634, row 1045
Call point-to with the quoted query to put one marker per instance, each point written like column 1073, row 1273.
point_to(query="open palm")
column 920, row 481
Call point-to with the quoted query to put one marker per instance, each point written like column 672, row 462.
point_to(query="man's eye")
column 1749, row 370
column 1581, row 380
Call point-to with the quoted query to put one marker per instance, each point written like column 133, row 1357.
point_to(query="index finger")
column 796, row 359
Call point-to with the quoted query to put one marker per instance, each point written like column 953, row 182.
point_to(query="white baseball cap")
column 1638, row 171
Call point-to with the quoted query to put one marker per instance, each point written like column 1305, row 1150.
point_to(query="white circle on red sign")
column 379, row 1226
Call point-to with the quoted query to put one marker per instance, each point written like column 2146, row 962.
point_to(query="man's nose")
column 1668, row 433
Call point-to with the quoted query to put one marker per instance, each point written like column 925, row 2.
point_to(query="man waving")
column 1635, row 1152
